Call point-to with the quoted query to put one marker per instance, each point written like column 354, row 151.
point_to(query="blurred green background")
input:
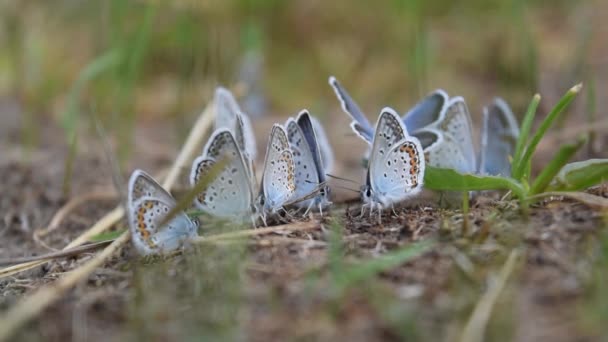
column 130, row 61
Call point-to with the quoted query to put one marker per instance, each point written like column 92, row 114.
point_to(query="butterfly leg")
column 362, row 212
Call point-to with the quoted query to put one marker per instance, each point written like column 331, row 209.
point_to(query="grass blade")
column 544, row 126
column 581, row 175
column 555, row 165
column 526, row 126
column 354, row 274
column 450, row 180
column 185, row 202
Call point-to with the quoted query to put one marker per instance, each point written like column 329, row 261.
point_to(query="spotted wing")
column 278, row 178
column 306, row 173
column 396, row 169
column 147, row 234
column 230, row 192
column 147, row 207
column 498, row 138
column 142, row 184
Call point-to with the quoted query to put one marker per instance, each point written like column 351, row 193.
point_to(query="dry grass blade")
column 67, row 209
column 103, row 224
column 475, row 329
column 32, row 305
column 291, row 227
column 588, row 199
column 59, row 254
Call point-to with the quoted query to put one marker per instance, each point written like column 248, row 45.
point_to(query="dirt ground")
column 280, row 287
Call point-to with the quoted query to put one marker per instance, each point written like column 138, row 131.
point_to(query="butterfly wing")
column 230, row 193
column 228, row 114
column 456, row 150
column 360, row 125
column 146, row 210
column 324, row 147
column 242, row 142
column 142, row 184
column 306, row 173
column 278, row 178
column 426, row 111
column 396, row 168
column 226, row 108
column 498, row 138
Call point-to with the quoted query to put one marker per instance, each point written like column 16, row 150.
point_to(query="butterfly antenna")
column 346, row 188
column 340, row 178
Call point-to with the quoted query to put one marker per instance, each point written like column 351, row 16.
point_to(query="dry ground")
column 283, row 287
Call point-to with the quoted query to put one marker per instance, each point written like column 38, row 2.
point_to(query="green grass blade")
column 581, row 175
column 450, row 180
column 524, row 132
column 69, row 118
column 555, row 165
column 544, row 126
column 354, row 274
column 106, row 236
column 201, row 185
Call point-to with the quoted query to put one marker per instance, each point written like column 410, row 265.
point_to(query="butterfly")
column 278, row 178
column 231, row 193
column 147, row 206
column 396, row 166
column 499, row 135
column 441, row 124
column 227, row 115
column 309, row 165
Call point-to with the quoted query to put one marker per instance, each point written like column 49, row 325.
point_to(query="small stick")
column 59, row 254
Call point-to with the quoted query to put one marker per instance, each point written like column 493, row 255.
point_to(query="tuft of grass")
column 555, row 176
column 524, row 132
column 555, row 165
column 563, row 103
column 196, row 297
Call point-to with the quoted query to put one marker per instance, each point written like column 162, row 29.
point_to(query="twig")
column 475, row 329
column 62, row 213
column 59, row 254
column 32, row 305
